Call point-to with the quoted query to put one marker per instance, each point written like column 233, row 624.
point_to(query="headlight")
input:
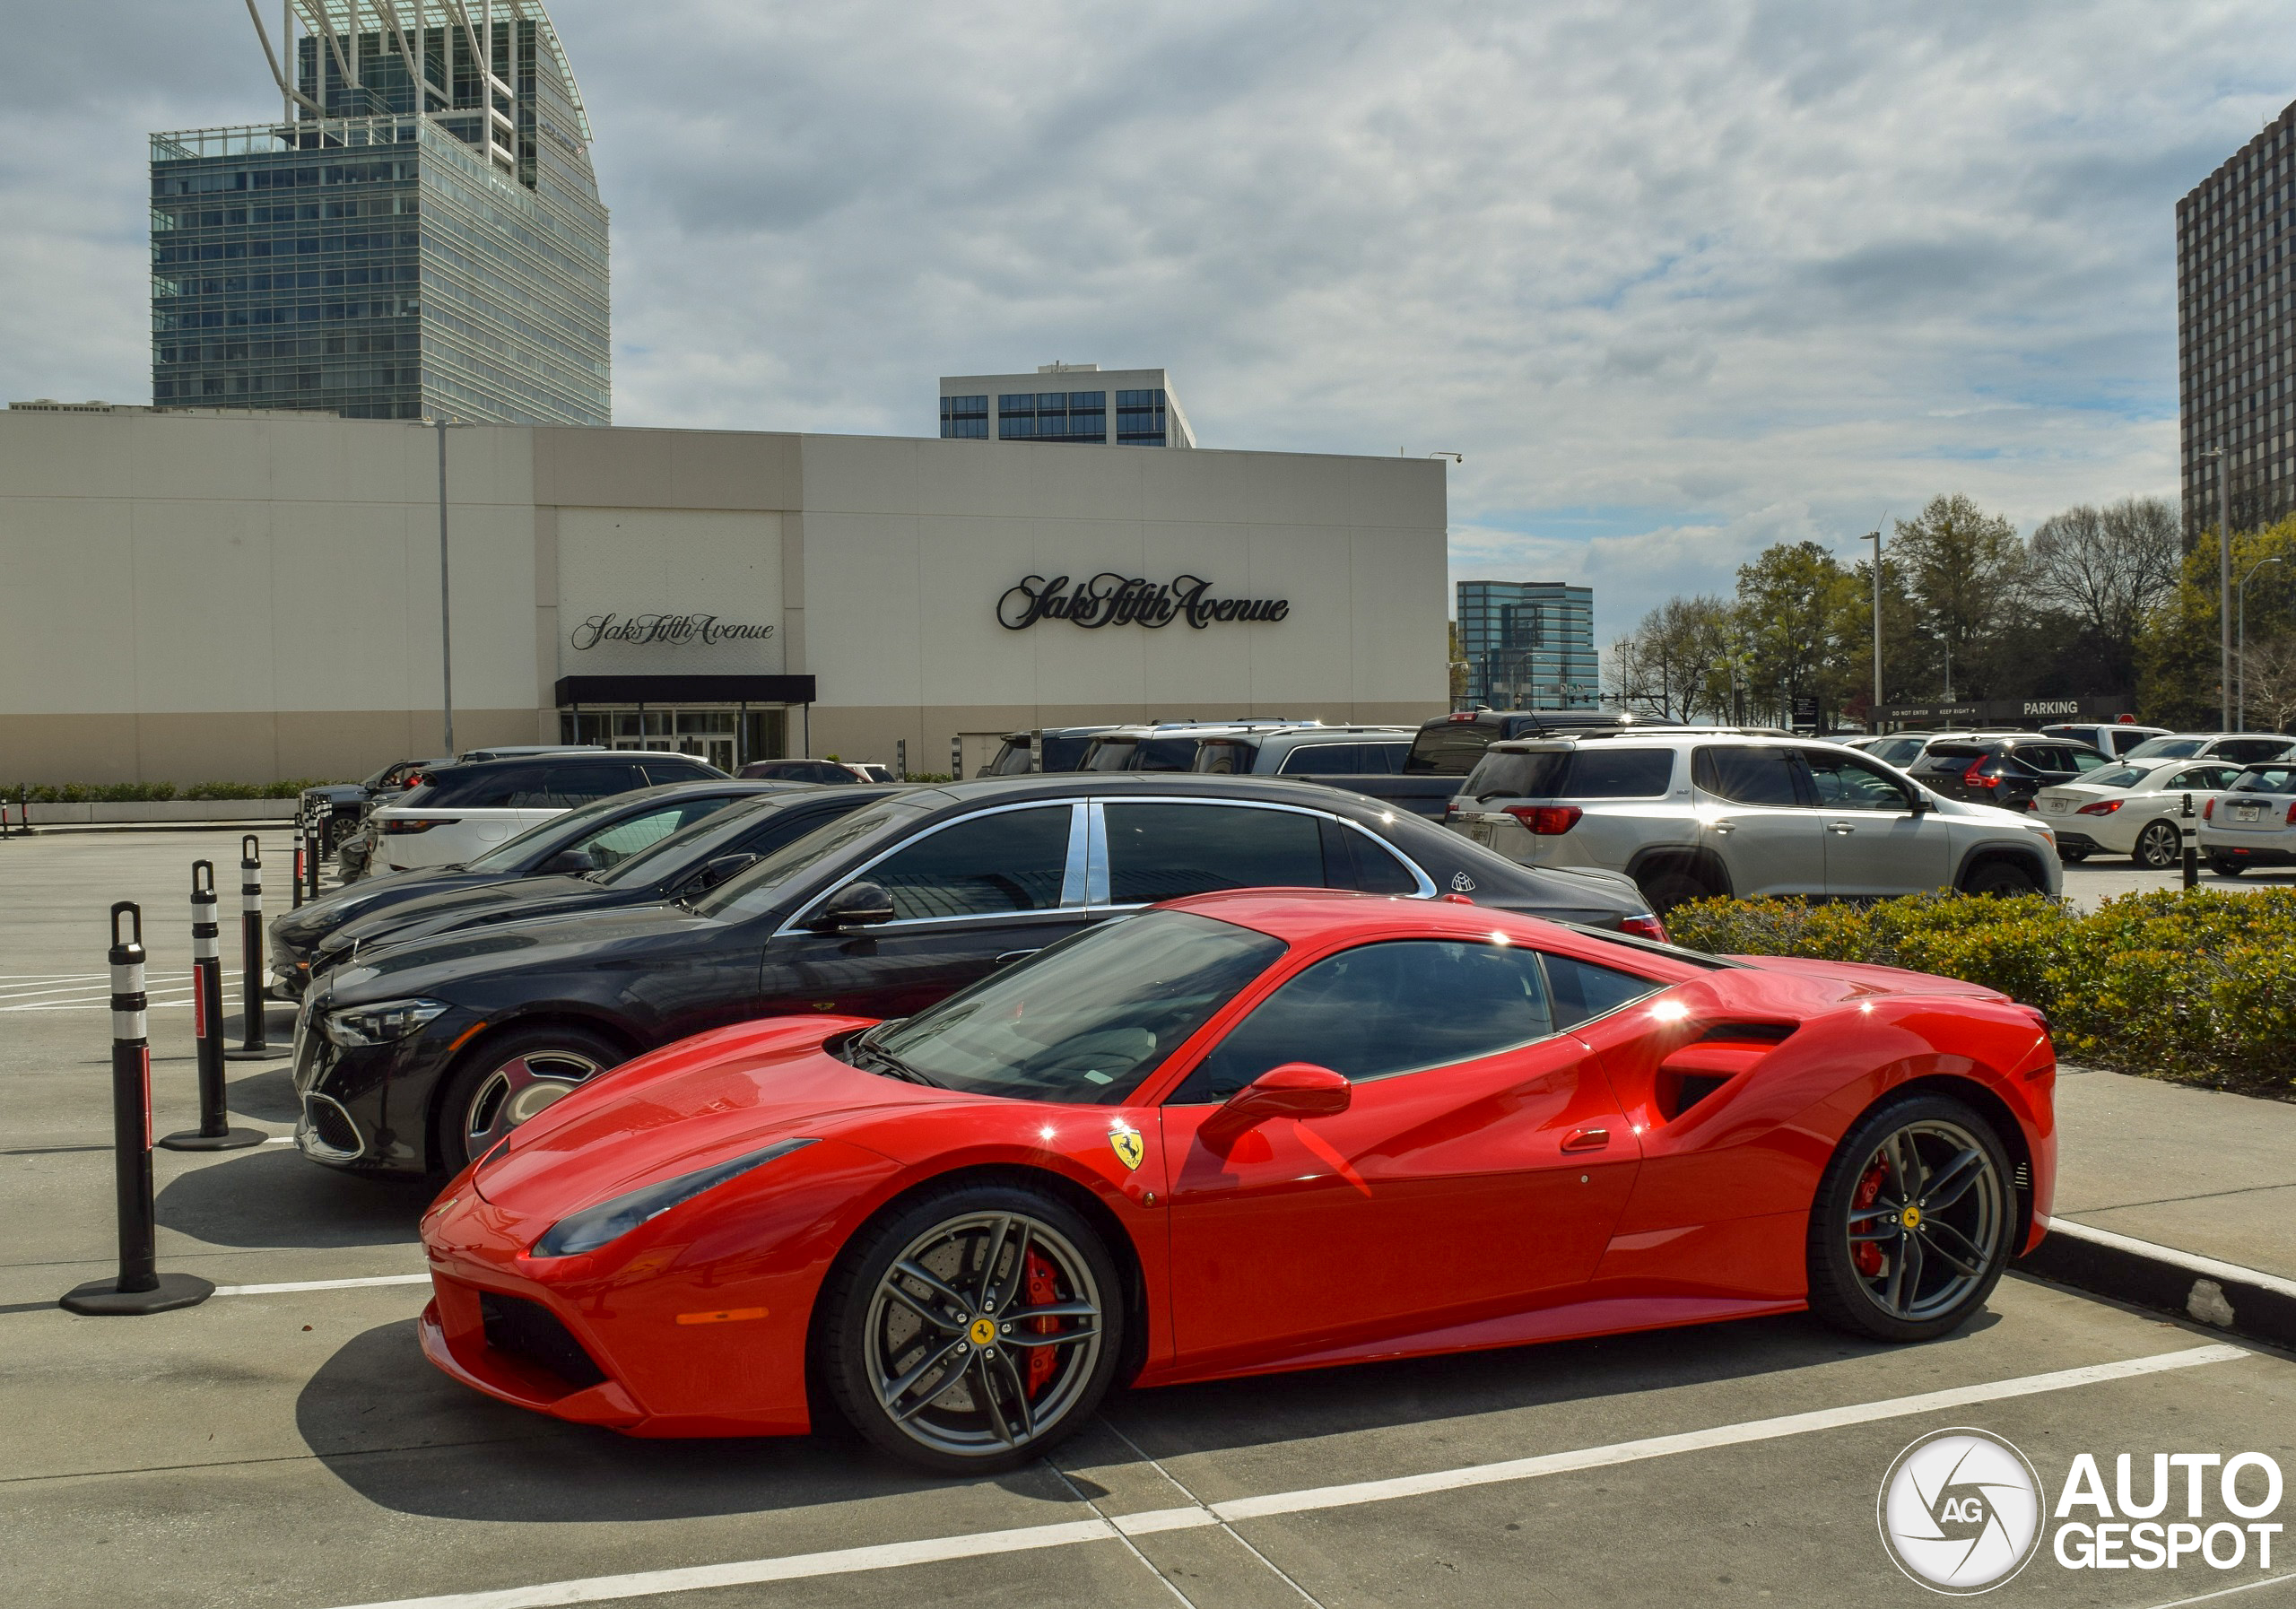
column 593, row 1227
column 381, row 1023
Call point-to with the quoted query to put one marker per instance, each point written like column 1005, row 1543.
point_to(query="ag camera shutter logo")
column 1960, row 1511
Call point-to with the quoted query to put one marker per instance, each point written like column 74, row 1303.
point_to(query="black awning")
column 684, row 689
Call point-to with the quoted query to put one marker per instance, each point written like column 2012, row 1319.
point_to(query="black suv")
column 427, row 1052
column 2008, row 771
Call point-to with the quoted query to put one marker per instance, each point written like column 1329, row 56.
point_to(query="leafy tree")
column 1795, row 615
column 1966, row 571
column 2177, row 649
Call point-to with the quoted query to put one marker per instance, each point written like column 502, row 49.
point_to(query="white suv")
column 1692, row 812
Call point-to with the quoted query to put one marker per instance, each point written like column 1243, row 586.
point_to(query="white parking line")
column 895, row 1555
column 322, row 1284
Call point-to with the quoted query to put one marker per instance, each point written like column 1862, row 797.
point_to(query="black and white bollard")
column 302, row 841
column 314, row 855
column 139, row 1287
column 215, row 1132
column 254, row 1045
column 2189, row 830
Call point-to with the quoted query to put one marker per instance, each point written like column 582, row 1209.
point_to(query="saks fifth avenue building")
column 191, row 597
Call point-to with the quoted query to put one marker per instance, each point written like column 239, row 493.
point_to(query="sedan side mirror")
column 569, row 863
column 715, row 871
column 1294, row 1090
column 856, row 905
column 1922, row 804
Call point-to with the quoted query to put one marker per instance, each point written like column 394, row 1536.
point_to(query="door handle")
column 1724, row 826
column 1843, row 828
column 1587, row 1139
column 1010, row 956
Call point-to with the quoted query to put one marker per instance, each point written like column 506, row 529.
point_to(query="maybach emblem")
column 1461, row 883
column 1126, row 1141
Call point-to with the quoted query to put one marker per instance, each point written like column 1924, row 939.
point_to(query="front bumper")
column 367, row 1109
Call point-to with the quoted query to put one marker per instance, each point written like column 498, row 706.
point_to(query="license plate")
column 2056, row 807
column 1479, row 832
column 2249, row 813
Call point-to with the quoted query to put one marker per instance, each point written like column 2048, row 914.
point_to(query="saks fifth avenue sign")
column 1109, row 599
column 670, row 631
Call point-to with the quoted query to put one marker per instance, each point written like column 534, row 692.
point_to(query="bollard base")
column 102, row 1298
column 230, row 1139
column 261, row 1053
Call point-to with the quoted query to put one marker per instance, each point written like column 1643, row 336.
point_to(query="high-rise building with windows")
column 418, row 235
column 1114, row 407
column 1528, row 645
column 2237, row 388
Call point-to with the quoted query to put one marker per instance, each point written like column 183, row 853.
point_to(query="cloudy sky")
column 1678, row 280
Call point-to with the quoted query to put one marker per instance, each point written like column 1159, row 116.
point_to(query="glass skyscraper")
column 420, row 234
column 1528, row 645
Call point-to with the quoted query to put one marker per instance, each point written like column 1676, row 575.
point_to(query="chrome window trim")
column 1070, row 881
column 1097, row 885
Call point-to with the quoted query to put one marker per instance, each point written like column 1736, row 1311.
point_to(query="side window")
column 1324, row 759
column 564, row 786
column 1166, row 851
column 2204, row 778
column 1377, row 871
column 1384, row 759
column 1747, row 775
column 1584, row 991
column 1384, row 1009
column 1844, row 783
column 2248, row 751
column 512, row 786
column 1223, row 759
column 659, row 772
column 2086, row 760
column 984, row 865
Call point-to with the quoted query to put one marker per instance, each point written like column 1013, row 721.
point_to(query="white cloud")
column 1677, row 280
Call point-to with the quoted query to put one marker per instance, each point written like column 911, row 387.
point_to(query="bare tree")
column 2107, row 568
column 2270, row 683
column 1662, row 665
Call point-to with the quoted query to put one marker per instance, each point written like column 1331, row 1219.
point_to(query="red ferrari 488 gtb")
column 1241, row 1133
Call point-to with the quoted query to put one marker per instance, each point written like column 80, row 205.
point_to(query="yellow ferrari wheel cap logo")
column 1127, row 1146
column 983, row 1331
column 1910, row 1217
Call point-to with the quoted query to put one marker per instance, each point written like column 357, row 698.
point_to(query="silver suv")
column 1690, row 813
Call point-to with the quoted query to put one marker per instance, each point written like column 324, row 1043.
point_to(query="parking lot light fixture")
column 1875, row 538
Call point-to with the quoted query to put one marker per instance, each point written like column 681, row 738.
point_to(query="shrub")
column 2194, row 984
column 145, row 793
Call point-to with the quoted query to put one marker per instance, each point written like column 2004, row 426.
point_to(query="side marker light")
column 726, row 1316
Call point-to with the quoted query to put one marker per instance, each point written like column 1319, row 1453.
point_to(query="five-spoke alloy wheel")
column 503, row 1083
column 973, row 1327
column 1915, row 1220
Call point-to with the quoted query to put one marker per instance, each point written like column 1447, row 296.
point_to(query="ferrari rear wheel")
column 1914, row 1222
column 973, row 1328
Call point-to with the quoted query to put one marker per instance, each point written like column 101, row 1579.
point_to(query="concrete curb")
column 2245, row 1301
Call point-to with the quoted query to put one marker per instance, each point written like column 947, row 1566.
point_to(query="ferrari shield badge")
column 1126, row 1141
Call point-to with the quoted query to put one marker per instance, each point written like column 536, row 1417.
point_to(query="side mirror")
column 1294, row 1090
column 856, row 905
column 569, row 863
column 1922, row 804
column 715, row 871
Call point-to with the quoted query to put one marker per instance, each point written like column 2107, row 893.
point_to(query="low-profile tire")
column 1670, row 886
column 2071, row 856
column 936, row 1310
column 2224, row 865
column 2158, row 848
column 2002, row 880
column 1874, row 1274
column 498, row 1083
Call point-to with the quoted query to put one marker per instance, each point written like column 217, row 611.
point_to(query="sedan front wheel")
column 505, row 1081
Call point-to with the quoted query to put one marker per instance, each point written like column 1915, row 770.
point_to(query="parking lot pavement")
column 293, row 1448
column 2102, row 877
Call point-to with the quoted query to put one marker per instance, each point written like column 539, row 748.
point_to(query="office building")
column 1528, row 645
column 1119, row 407
column 735, row 595
column 2233, row 292
column 418, row 235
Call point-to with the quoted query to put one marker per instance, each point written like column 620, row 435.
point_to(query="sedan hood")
column 349, row 904
column 460, row 898
column 701, row 1101
column 575, row 938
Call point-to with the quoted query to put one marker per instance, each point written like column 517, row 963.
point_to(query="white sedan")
column 2131, row 809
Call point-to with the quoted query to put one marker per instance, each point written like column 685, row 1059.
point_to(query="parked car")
column 571, row 842
column 693, row 859
column 1243, row 1133
column 428, row 1053
column 459, row 812
column 1047, row 749
column 1900, row 749
column 337, row 808
column 2241, row 748
column 1444, row 749
column 1333, row 754
column 1167, row 746
column 833, row 773
column 2007, row 772
column 524, row 750
column 2131, row 809
column 2113, row 739
column 1689, row 814
column 2252, row 823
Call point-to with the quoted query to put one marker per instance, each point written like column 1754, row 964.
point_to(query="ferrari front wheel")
column 1914, row 1222
column 972, row 1329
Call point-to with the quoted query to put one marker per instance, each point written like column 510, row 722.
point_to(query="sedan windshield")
column 1088, row 1020
column 749, row 892
column 2168, row 748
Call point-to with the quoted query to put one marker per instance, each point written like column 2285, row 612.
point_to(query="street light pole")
column 2223, row 581
column 446, row 608
column 2240, row 701
column 1875, row 538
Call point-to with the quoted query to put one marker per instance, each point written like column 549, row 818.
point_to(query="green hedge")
column 148, row 793
column 2196, row 985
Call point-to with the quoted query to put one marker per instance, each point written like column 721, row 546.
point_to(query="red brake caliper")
column 1042, row 1293
column 1867, row 1254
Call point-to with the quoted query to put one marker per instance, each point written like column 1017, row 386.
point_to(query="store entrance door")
column 727, row 738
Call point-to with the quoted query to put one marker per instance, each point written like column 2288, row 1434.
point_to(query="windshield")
column 1108, row 754
column 2168, row 748
column 751, row 892
column 555, row 833
column 2120, row 776
column 1013, row 760
column 1085, row 1021
column 1061, row 754
column 662, row 857
column 2267, row 779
